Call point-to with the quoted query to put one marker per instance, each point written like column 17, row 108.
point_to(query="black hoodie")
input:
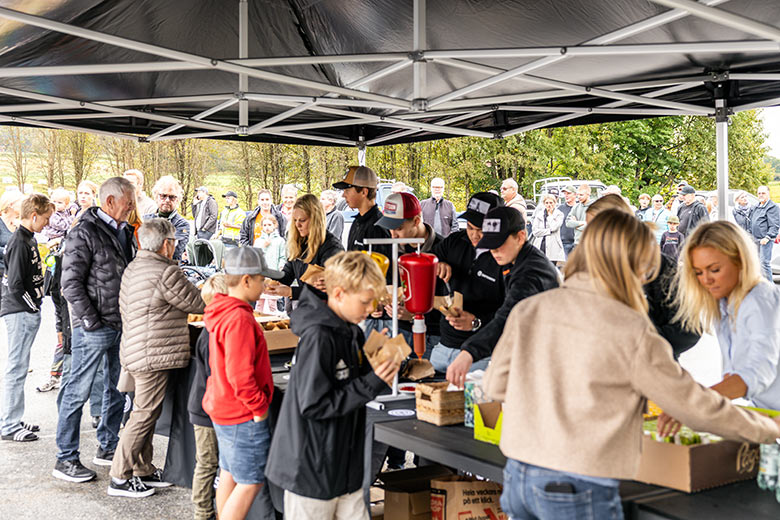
column 294, row 269
column 317, row 447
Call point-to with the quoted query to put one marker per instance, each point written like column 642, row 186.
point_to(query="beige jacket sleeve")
column 657, row 376
column 179, row 291
column 497, row 374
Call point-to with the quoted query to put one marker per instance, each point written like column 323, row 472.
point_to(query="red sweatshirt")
column 240, row 385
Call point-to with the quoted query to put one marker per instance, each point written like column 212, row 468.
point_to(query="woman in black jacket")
column 308, row 243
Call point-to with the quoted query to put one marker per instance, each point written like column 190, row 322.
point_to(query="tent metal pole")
column 608, row 50
column 208, row 98
column 332, row 140
column 278, row 117
column 450, row 121
column 722, row 151
column 285, row 99
column 59, row 126
column 202, row 115
column 420, row 77
column 597, row 110
column 243, row 52
column 625, row 32
column 722, row 17
column 614, row 104
column 209, row 63
column 120, row 111
column 751, row 106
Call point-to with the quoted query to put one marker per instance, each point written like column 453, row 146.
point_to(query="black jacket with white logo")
column 531, row 274
column 477, row 278
column 317, row 448
column 23, row 277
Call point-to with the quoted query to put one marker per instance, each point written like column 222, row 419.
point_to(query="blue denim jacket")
column 750, row 346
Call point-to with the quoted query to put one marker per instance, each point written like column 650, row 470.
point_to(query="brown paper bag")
column 449, row 305
column 312, row 274
column 379, row 348
column 465, row 498
column 417, row 369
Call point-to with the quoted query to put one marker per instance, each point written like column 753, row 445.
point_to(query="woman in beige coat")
column 573, row 400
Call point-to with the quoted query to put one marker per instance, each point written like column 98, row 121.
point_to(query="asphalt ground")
column 28, row 491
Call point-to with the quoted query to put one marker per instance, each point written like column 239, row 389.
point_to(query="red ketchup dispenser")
column 418, row 277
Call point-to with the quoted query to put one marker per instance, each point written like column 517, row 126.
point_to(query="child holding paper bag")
column 317, row 450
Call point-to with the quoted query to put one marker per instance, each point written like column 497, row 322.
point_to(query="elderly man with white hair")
column 167, row 194
column 438, row 212
column 334, row 219
column 154, row 300
column 511, row 197
column 143, row 204
column 98, row 249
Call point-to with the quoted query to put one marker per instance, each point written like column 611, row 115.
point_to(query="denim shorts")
column 243, row 450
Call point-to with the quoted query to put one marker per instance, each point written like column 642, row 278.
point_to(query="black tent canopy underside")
column 351, row 72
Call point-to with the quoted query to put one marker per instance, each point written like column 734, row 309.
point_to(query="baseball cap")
column 359, row 176
column 567, row 188
column 230, row 193
column 398, row 207
column 202, row 188
column 248, row 260
column 673, row 220
column 498, row 224
column 478, row 206
column 688, row 189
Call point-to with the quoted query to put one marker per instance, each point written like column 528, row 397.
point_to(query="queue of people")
column 128, row 301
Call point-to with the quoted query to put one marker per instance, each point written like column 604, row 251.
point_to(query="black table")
column 455, row 446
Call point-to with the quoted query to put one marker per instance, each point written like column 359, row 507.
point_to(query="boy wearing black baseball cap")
column 474, row 273
column 526, row 271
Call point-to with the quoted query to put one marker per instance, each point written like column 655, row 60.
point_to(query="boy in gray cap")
column 239, row 390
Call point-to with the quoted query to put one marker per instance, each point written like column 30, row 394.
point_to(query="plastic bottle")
column 768, row 466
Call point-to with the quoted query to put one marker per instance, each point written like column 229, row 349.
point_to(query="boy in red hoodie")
column 239, row 390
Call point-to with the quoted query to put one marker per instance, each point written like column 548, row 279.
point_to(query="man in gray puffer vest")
column 154, row 300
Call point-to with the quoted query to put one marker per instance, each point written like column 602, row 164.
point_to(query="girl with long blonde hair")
column 586, row 385
column 722, row 290
column 308, row 243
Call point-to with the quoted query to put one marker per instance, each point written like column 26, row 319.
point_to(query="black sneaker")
column 103, row 457
column 132, row 488
column 72, row 471
column 155, row 480
column 95, row 421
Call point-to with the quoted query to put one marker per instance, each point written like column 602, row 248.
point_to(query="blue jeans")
column 90, row 349
column 765, row 257
column 378, row 324
column 567, row 247
column 525, row 498
column 22, row 328
column 95, row 393
column 430, row 342
column 442, row 356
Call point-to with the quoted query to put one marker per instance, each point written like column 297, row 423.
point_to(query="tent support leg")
column 722, row 150
column 243, row 52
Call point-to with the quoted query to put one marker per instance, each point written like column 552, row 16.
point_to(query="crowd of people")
column 625, row 290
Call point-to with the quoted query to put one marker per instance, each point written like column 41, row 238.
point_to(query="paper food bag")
column 449, row 305
column 417, row 369
column 312, row 274
column 379, row 348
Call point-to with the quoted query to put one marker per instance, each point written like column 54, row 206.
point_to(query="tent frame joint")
column 419, row 105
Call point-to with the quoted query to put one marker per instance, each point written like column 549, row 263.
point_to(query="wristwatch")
column 476, row 323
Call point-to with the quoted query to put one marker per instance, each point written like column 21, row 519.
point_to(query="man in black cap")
column 691, row 212
column 475, row 274
column 526, row 271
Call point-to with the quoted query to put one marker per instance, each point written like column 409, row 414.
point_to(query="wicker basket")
column 438, row 406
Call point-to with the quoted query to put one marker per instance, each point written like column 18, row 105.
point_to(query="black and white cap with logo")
column 479, row 205
column 498, row 224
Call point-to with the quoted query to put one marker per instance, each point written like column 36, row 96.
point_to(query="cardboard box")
column 437, row 405
column 488, row 418
column 408, row 492
column 283, row 339
column 696, row 467
column 464, row 498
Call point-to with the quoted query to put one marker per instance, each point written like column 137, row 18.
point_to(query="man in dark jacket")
column 567, row 233
column 205, row 213
column 252, row 228
column 474, row 274
column 764, row 226
column 691, row 212
column 167, row 192
column 97, row 251
column 334, row 219
column 526, row 271
column 438, row 212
